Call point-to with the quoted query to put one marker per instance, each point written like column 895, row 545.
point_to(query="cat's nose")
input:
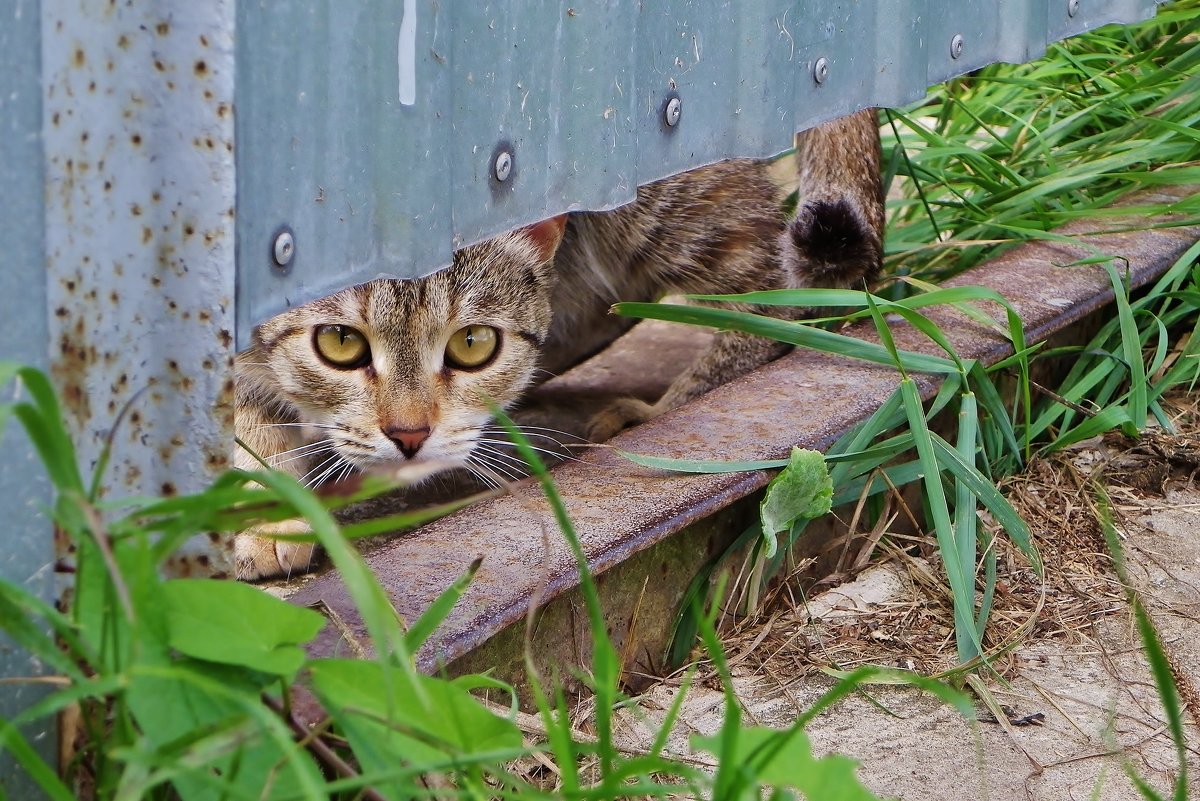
column 408, row 440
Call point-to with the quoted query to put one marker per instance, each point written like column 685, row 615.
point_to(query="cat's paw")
column 261, row 557
column 620, row 414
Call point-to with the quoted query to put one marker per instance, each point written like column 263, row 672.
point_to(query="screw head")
column 284, row 248
column 956, row 46
column 821, row 69
column 673, row 111
column 502, row 168
column 1072, row 7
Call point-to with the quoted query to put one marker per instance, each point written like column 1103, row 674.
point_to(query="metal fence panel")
column 380, row 137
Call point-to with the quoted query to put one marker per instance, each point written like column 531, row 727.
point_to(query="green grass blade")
column 369, row 597
column 784, row 331
column 993, row 404
column 966, row 519
column 989, row 496
column 42, row 774
column 875, row 482
column 885, row 336
column 962, row 585
column 605, row 663
column 1168, row 693
column 421, row 628
column 1131, row 349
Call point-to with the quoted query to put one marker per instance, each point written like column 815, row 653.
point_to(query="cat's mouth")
column 404, row 468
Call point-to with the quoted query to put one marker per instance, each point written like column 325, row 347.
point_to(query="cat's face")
column 401, row 373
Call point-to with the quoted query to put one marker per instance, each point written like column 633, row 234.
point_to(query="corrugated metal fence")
column 370, row 138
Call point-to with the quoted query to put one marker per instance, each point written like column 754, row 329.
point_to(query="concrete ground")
column 1078, row 689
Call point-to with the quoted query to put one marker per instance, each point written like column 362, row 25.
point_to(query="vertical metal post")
column 137, row 126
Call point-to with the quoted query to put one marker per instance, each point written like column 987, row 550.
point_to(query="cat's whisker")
column 527, row 435
column 553, row 447
column 530, row 431
column 312, row 449
column 325, row 426
column 498, row 469
column 556, row 454
column 510, row 458
column 306, row 479
column 481, row 473
column 527, row 427
column 321, row 479
column 497, row 466
column 346, row 470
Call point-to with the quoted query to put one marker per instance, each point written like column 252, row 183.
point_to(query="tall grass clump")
column 184, row 688
column 986, row 161
column 1010, row 153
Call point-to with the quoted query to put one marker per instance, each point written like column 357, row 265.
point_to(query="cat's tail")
column 836, row 237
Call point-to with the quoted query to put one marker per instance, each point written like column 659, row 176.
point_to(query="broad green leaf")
column 386, row 721
column 802, row 490
column 784, row 758
column 180, row 708
column 236, row 624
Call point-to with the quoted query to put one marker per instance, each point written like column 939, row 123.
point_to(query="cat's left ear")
column 546, row 235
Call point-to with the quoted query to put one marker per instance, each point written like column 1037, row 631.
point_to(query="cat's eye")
column 342, row 346
column 472, row 346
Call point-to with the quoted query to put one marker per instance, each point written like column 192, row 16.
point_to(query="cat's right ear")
column 546, row 235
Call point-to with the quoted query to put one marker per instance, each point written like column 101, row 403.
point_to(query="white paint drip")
column 406, row 54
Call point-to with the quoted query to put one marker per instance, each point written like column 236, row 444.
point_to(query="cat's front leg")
column 258, row 554
column 269, row 550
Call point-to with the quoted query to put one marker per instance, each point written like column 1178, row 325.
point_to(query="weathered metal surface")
column 620, row 509
column 27, row 554
column 137, row 128
column 640, row 599
column 371, row 132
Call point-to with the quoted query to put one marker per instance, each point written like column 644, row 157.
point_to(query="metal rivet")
column 1072, row 7
column 284, row 248
column 502, row 168
column 821, row 70
column 673, row 111
column 956, row 46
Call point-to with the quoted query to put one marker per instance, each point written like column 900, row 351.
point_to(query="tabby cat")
column 395, row 373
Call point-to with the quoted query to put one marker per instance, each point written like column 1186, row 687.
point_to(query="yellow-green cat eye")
column 472, row 346
column 341, row 346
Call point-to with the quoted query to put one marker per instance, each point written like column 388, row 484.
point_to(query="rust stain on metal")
column 619, row 509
